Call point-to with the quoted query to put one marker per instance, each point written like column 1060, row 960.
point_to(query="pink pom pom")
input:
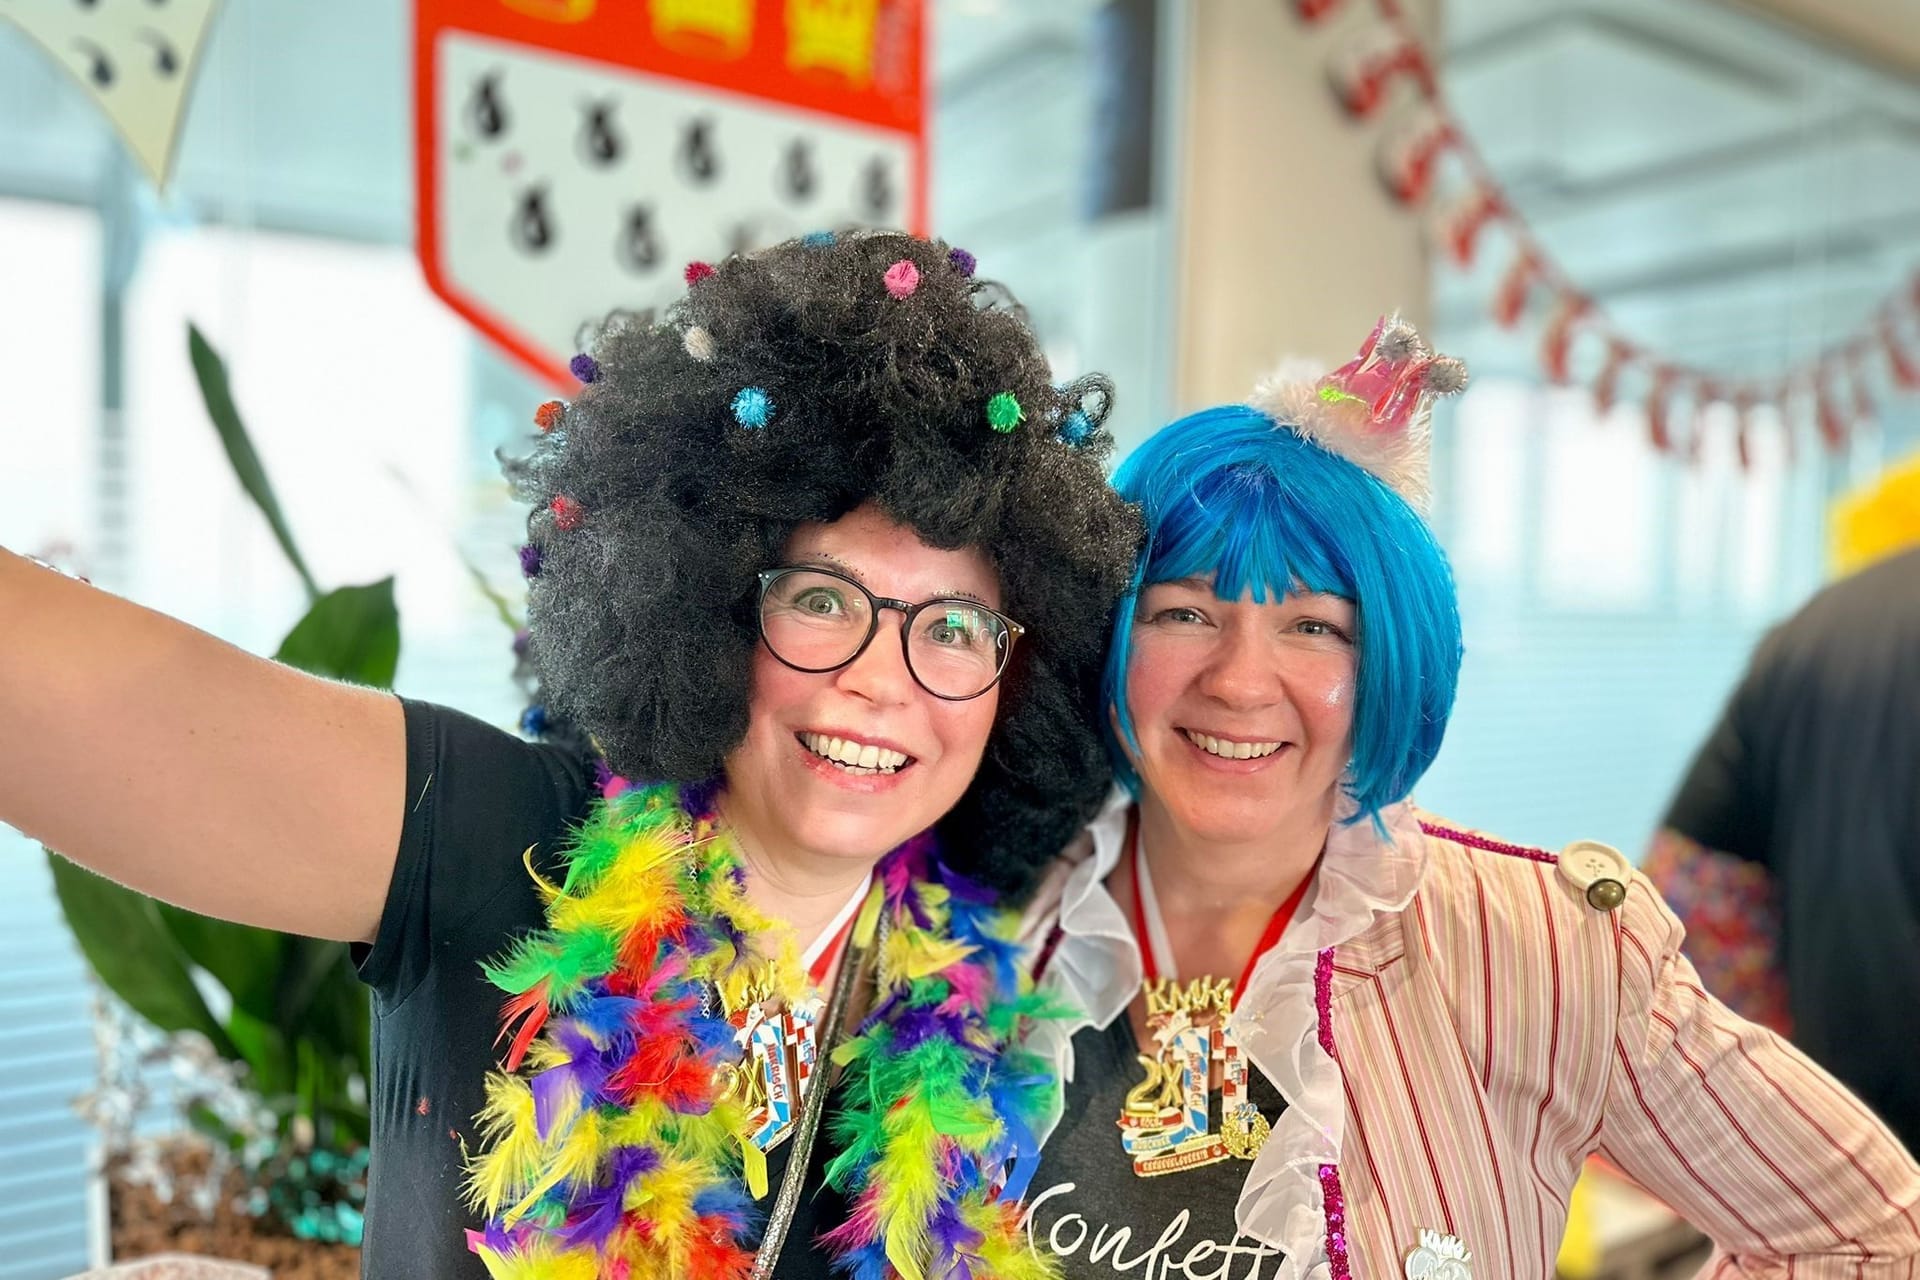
column 902, row 278
column 698, row 271
column 566, row 512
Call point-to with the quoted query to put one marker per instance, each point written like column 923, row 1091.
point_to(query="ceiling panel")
column 1732, row 192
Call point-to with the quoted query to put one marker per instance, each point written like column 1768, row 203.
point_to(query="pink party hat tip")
column 1373, row 410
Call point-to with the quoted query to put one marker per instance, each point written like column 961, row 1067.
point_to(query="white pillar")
column 1289, row 243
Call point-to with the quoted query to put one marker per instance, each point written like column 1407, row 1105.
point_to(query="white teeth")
column 854, row 757
column 1231, row 750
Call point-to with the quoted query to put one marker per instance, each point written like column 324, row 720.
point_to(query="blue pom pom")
column 817, row 239
column 1077, row 429
column 752, row 407
column 533, row 721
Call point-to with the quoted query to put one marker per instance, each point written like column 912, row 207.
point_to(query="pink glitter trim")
column 1491, row 846
column 1322, row 987
column 1336, row 1208
column 1333, row 1198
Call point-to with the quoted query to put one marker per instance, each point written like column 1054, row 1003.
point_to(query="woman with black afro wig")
column 643, row 618
column 821, row 569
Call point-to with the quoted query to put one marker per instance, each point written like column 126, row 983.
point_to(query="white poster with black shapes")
column 135, row 59
column 559, row 188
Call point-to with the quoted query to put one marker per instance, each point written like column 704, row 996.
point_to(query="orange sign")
column 572, row 156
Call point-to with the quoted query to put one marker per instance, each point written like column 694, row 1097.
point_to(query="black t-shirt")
column 1813, row 772
column 1091, row 1211
column 477, row 799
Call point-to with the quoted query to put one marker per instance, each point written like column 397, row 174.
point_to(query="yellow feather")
column 753, row 1162
column 623, row 898
column 869, row 919
column 911, row 954
column 547, row 889
column 666, row 1196
column 576, row 1156
column 1003, row 1247
column 541, row 1261
column 543, row 1054
column 911, row 1183
column 640, row 1123
column 899, row 1253
column 511, row 1160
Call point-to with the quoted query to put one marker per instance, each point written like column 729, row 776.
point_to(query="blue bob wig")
column 1230, row 496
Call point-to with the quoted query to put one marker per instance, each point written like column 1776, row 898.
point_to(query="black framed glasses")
column 816, row 620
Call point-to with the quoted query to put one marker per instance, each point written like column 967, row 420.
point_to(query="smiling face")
column 850, row 763
column 1243, row 711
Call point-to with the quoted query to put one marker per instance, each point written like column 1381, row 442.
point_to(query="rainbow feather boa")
column 608, row 1151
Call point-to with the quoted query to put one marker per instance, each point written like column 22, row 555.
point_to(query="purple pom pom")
column 584, row 367
column 962, row 261
column 530, row 560
column 521, row 640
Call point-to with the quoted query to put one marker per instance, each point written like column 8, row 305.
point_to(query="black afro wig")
column 662, row 490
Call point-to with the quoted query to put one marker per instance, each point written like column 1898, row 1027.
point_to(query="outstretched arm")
column 191, row 770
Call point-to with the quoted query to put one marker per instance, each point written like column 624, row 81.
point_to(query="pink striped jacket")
column 1490, row 1029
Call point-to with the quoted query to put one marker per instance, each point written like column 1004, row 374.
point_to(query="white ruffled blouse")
column 1095, row 968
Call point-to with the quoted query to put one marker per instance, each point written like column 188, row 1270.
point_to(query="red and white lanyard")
column 819, row 959
column 1151, row 931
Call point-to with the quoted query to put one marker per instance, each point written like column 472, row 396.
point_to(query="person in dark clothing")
column 1812, row 776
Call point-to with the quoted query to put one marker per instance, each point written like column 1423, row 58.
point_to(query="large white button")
column 1598, row 870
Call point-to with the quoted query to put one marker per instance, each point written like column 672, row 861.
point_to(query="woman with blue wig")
column 1322, row 1033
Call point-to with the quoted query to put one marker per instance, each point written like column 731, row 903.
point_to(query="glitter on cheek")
column 1339, row 694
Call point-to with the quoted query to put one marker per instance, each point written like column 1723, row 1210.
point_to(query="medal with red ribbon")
column 1166, row 1123
column 780, row 1046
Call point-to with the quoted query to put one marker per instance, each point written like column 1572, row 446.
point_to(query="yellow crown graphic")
column 704, row 28
column 555, row 10
column 832, row 35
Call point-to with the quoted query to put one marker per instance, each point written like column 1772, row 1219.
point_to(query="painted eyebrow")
column 821, row 557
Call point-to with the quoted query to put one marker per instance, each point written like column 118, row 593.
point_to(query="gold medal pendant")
column 1246, row 1129
column 777, row 1062
column 1166, row 1124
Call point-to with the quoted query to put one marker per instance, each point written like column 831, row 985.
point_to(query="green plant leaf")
column 269, row 1057
column 245, row 960
column 350, row 633
column 134, row 953
column 309, row 962
column 323, row 1001
column 203, row 1119
column 342, row 1019
column 501, row 609
column 211, row 372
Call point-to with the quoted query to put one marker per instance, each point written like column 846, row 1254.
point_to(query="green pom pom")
column 1004, row 412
